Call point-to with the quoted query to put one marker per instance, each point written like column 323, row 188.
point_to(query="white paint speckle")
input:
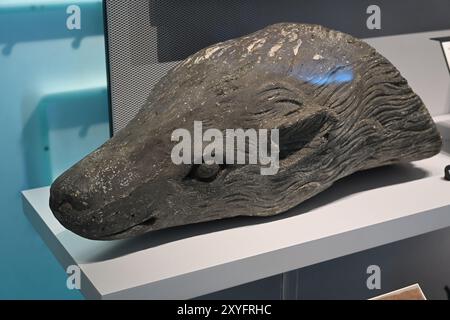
column 317, row 57
column 210, row 51
column 187, row 61
column 292, row 36
column 284, row 32
column 198, row 59
column 297, row 47
column 274, row 50
column 256, row 44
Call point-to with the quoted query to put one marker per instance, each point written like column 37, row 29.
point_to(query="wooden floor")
column 413, row 292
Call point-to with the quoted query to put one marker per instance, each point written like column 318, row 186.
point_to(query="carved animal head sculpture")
column 340, row 107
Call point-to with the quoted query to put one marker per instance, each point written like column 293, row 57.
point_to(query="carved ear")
column 303, row 127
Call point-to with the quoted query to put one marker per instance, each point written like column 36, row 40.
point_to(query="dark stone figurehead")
column 340, row 107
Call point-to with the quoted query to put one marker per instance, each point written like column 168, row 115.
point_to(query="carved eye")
column 205, row 172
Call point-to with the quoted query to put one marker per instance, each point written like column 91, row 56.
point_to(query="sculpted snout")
column 116, row 192
column 88, row 214
column 74, row 205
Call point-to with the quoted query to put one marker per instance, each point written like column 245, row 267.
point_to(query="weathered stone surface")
column 340, row 106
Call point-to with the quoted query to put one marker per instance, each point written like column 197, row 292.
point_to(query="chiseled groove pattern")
column 386, row 101
column 340, row 107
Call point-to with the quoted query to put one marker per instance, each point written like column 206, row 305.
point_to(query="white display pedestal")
column 363, row 211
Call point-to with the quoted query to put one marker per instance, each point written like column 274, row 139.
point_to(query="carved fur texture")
column 339, row 105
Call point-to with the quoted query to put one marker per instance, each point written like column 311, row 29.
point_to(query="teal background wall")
column 53, row 111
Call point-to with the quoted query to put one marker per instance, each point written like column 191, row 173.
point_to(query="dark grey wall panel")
column 148, row 37
column 424, row 259
column 264, row 289
column 185, row 27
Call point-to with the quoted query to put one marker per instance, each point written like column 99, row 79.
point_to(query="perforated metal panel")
column 133, row 64
column 146, row 38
